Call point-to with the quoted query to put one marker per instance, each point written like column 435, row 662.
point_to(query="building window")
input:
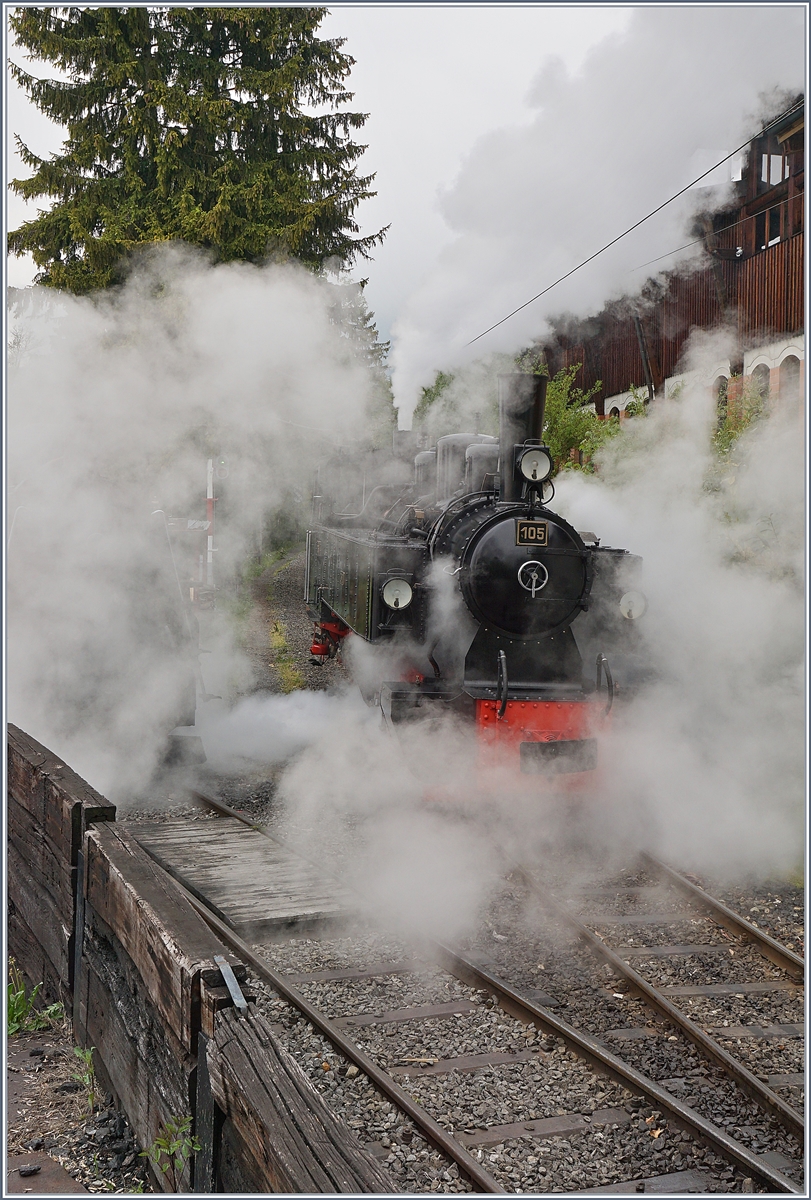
column 790, row 382
column 767, row 228
column 761, row 377
column 615, row 412
column 774, row 168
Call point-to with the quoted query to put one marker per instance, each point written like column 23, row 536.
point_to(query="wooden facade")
column 751, row 282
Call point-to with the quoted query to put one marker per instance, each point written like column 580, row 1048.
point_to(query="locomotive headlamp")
column 536, row 464
column 633, row 605
column 397, row 593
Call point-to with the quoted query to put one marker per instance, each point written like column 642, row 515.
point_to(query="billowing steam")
column 707, row 766
column 115, row 404
column 650, row 110
column 704, row 767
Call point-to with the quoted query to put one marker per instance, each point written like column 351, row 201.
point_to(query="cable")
column 700, row 240
column 678, row 250
column 619, row 237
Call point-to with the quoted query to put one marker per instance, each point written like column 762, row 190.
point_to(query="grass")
column 239, row 607
column 86, row 1074
column 256, row 567
column 797, row 877
column 290, row 677
column 22, row 1014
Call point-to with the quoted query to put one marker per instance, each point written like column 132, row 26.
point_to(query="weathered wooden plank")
column 214, row 860
column 298, row 1143
column 136, row 1056
column 238, row 1173
column 167, row 941
column 25, row 781
column 25, row 948
column 38, row 910
column 47, row 866
column 59, row 800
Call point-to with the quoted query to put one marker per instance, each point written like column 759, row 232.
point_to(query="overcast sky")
column 509, row 142
column 433, row 79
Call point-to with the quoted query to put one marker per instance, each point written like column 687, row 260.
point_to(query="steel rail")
column 225, row 810
column 524, row 1010
column 793, row 964
column 749, row 1083
column 433, row 1131
column 608, row 1064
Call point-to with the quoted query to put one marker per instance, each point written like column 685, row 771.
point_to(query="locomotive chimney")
column 521, row 403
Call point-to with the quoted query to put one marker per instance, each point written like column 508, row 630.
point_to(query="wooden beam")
column 296, row 1143
column 25, row 947
column 136, row 1057
column 206, row 1124
column 60, row 802
column 43, row 860
column 169, row 944
column 41, row 916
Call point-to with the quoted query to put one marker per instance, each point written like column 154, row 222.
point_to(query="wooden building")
column 752, row 283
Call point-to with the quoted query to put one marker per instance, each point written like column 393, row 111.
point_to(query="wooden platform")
column 256, row 886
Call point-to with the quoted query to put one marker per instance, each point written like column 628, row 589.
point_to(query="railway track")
column 731, row 967
column 716, row 1020
column 494, row 1085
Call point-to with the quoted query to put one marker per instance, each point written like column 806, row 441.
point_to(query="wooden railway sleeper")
column 760, row 1092
column 608, row 1064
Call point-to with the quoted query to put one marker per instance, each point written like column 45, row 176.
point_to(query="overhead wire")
column 698, row 241
column 794, row 108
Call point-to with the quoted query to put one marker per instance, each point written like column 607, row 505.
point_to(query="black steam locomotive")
column 489, row 605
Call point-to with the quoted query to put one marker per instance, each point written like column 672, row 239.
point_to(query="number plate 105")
column 531, row 533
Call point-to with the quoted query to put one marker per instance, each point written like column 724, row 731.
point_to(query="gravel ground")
column 277, row 596
column 777, row 908
column 538, row 954
column 742, row 963
column 413, row 1164
column 48, row 1110
column 554, row 1082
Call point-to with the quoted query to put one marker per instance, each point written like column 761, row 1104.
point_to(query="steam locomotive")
column 479, row 600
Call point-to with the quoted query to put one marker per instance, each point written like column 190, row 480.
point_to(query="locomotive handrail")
column 502, row 679
column 602, row 665
column 381, row 487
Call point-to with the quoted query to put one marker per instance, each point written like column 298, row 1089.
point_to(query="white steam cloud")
column 267, row 729
column 704, row 767
column 707, row 766
column 650, row 110
column 115, row 404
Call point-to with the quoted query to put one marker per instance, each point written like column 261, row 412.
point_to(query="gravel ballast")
column 554, row 1083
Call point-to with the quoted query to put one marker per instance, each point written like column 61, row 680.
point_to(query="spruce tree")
column 352, row 316
column 223, row 127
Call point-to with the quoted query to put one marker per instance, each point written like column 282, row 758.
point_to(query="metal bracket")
column 230, row 981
